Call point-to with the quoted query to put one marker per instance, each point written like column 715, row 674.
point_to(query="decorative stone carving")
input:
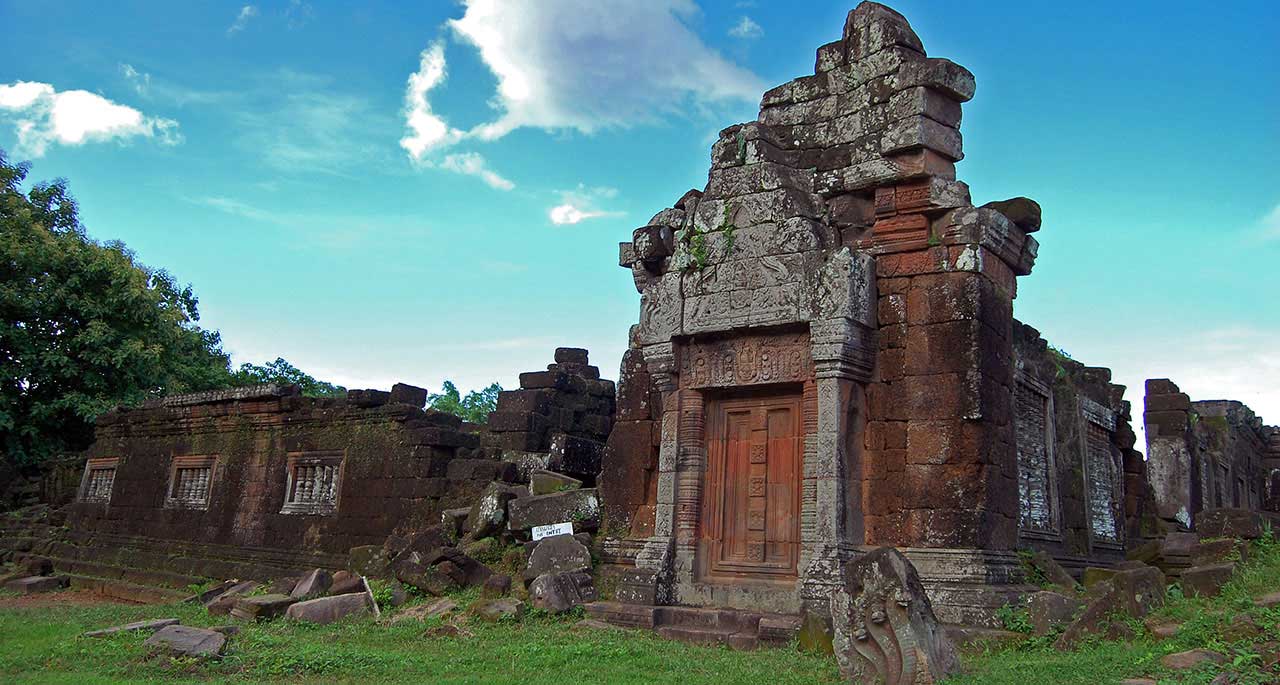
column 885, row 629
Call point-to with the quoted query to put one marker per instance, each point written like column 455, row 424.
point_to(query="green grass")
column 43, row 645
column 1205, row 624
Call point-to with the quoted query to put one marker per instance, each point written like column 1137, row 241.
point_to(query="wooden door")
column 751, row 511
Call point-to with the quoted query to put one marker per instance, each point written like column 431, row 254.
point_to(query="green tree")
column 281, row 371
column 475, row 407
column 83, row 325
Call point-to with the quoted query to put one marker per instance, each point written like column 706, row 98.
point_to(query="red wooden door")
column 751, row 511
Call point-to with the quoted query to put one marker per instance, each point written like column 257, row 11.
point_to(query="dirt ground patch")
column 73, row 597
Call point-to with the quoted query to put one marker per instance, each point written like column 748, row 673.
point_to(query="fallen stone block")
column 1162, row 630
column 222, row 603
column 1220, row 551
column 1268, row 601
column 332, row 608
column 557, row 554
column 37, row 584
column 454, row 522
column 884, row 625
column 345, row 582
column 1207, row 581
column 1133, row 594
column 180, row 640
column 498, row 585
column 403, row 393
column 212, row 593
column 488, row 516
column 1048, row 610
column 494, row 610
column 559, row 592
column 1183, row 661
column 580, row 507
column 135, row 627
column 314, row 584
column 466, row 571
column 261, row 607
column 543, row 482
column 425, row 578
column 1092, row 576
column 1052, row 571
column 282, row 586
column 37, row 566
column 369, row 560
column 1229, row 523
column 442, row 607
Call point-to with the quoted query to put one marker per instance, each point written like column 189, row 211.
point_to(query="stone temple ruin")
column 826, row 362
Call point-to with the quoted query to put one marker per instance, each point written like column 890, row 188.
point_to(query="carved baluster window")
column 313, row 483
column 1103, row 477
column 191, row 482
column 1037, row 471
column 99, row 479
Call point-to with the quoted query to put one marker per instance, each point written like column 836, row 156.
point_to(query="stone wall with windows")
column 1208, row 454
column 1082, row 491
column 264, row 467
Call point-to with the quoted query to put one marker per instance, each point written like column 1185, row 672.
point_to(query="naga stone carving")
column 885, row 629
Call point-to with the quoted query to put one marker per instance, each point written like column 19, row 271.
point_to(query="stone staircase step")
column 130, row 575
column 697, row 625
column 695, row 635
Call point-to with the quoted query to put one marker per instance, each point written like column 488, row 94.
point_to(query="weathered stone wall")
column 1207, row 454
column 399, row 467
column 1082, row 486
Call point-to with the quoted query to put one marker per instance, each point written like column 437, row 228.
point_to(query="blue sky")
column 373, row 228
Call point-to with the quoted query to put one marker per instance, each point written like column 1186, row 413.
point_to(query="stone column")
column 1171, row 460
column 656, row 554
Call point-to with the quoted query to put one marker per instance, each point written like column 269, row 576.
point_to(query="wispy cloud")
column 247, row 13
column 44, row 116
column 141, row 82
column 580, row 204
column 322, row 229
column 473, row 164
column 298, row 14
column 746, row 29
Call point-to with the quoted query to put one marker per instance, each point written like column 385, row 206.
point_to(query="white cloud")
column 473, row 164
column 576, row 65
column 587, row 65
column 43, row 116
column 746, row 29
column 247, row 13
column 141, row 82
column 581, row 204
column 427, row 131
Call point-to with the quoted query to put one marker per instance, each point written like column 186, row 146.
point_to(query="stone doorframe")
column 838, row 358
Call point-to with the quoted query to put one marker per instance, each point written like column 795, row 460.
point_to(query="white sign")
column 540, row 532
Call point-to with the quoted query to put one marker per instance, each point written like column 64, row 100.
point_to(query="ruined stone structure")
column 825, row 346
column 1208, row 455
column 1082, row 488
column 826, row 362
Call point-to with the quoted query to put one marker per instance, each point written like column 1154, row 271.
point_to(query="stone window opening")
column 313, row 483
column 1039, row 515
column 99, row 480
column 190, row 482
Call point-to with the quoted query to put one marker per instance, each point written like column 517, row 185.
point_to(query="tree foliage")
column 475, row 407
column 83, row 325
column 281, row 371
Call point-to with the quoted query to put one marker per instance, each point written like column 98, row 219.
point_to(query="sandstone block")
column 1133, row 593
column 36, row 584
column 329, row 609
column 543, row 482
column 488, row 516
column 575, row 456
column 581, row 507
column 403, row 393
column 1207, row 581
column 187, row 641
column 261, row 607
column 1229, row 523
column 1192, row 658
column 221, row 604
column 494, row 610
column 135, row 627
column 369, row 560
column 1050, row 610
column 314, row 584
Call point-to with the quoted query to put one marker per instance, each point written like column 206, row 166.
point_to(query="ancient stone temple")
column 824, row 350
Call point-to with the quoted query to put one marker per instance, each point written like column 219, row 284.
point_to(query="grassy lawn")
column 43, row 645
column 1206, row 624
